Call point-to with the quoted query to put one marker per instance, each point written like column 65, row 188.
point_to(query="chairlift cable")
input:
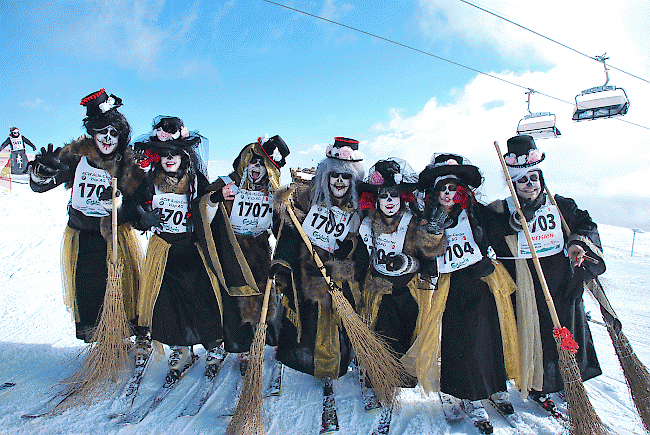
column 550, row 39
column 434, row 56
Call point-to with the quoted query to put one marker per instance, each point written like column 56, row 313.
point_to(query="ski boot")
column 141, row 346
column 215, row 356
column 180, row 357
column 545, row 401
column 243, row 357
column 501, row 401
column 479, row 416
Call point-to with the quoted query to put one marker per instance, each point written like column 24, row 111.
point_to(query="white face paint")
column 15, row 133
column 446, row 196
column 340, row 184
column 529, row 186
column 170, row 163
column 256, row 169
column 106, row 139
column 389, row 202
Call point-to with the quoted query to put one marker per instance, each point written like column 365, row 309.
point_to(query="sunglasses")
column 169, row 154
column 385, row 195
column 531, row 177
column 256, row 161
column 450, row 187
column 343, row 175
column 108, row 130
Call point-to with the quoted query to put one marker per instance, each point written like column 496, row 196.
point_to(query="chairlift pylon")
column 540, row 125
column 602, row 101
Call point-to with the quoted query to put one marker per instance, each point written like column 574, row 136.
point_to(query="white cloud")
column 36, row 104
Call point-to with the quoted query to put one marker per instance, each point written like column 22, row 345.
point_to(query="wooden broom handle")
column 564, row 224
column 114, row 219
column 538, row 266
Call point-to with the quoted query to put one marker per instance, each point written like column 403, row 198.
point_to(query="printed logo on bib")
column 89, row 183
column 462, row 250
column 252, row 213
column 545, row 230
column 322, row 230
column 174, row 208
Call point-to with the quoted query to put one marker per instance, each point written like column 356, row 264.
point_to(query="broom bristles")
column 636, row 375
column 249, row 415
column 384, row 370
column 582, row 416
column 104, row 363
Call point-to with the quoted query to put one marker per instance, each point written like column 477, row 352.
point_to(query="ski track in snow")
column 38, row 350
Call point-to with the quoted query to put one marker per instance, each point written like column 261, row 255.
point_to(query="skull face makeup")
column 256, row 170
column 106, row 139
column 389, row 202
column 340, row 184
column 529, row 186
column 170, row 162
column 15, row 132
column 446, row 195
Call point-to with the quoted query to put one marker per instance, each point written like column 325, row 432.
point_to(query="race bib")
column 252, row 213
column 385, row 244
column 17, row 143
column 545, row 230
column 462, row 250
column 89, row 183
column 174, row 208
column 325, row 227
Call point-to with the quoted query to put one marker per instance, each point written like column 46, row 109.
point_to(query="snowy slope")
column 38, row 348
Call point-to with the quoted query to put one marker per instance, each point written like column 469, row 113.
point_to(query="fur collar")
column 171, row 184
column 379, row 226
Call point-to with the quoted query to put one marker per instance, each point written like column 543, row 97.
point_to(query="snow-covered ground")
column 38, row 348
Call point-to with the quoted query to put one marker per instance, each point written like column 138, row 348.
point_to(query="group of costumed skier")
column 446, row 281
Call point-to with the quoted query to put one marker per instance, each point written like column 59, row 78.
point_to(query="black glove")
column 216, row 196
column 149, row 219
column 47, row 164
column 106, row 198
column 438, row 221
column 343, row 250
column 394, row 262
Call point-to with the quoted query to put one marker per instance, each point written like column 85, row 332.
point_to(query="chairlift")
column 602, row 101
column 540, row 125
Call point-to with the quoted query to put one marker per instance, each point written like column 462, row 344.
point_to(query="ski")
column 383, row 427
column 514, row 420
column 275, row 384
column 451, row 408
column 7, row 385
column 48, row 407
column 368, row 396
column 550, row 407
column 172, row 378
column 206, row 387
column 229, row 412
column 478, row 416
column 329, row 418
column 130, row 391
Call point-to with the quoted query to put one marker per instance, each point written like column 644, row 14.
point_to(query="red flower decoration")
column 567, row 343
column 462, row 197
column 367, row 200
column 151, row 158
column 408, row 197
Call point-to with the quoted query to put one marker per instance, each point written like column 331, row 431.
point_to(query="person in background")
column 16, row 142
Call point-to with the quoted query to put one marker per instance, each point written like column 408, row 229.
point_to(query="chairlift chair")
column 540, row 125
column 602, row 101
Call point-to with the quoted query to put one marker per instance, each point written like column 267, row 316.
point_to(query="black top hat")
column 522, row 152
column 451, row 166
column 168, row 133
column 99, row 103
column 275, row 149
column 389, row 173
column 344, row 149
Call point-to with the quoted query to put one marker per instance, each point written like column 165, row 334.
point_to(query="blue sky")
column 239, row 69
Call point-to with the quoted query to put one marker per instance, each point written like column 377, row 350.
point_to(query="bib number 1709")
column 330, row 228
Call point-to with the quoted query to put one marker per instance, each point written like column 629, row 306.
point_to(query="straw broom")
column 104, row 362
column 635, row 372
column 249, row 415
column 385, row 371
column 582, row 416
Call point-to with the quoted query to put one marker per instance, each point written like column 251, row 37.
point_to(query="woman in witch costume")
column 181, row 300
column 86, row 166
column 478, row 348
column 312, row 339
column 567, row 260
column 235, row 217
column 397, row 244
